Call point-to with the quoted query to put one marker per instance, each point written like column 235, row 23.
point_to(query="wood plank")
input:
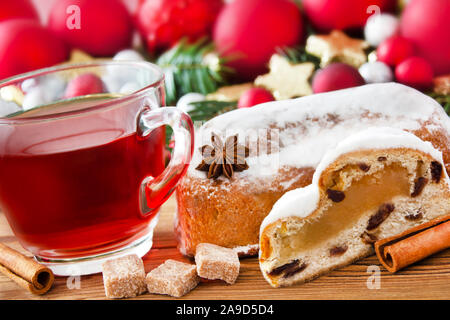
column 428, row 279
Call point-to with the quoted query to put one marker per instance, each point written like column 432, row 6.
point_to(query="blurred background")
column 219, row 55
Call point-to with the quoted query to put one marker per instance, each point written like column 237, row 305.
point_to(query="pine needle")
column 297, row 55
column 187, row 70
column 443, row 100
column 203, row 111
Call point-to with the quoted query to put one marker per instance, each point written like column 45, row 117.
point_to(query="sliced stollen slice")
column 374, row 184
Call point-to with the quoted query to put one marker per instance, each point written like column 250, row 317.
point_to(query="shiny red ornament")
column 427, row 24
column 394, row 50
column 25, row 45
column 415, row 72
column 84, row 84
column 327, row 15
column 336, row 76
column 98, row 27
column 10, row 9
column 162, row 23
column 250, row 31
column 254, row 96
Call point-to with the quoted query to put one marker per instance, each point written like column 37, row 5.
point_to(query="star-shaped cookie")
column 78, row 56
column 287, row 80
column 337, row 46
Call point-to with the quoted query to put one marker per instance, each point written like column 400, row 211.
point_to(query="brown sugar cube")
column 173, row 277
column 215, row 262
column 124, row 277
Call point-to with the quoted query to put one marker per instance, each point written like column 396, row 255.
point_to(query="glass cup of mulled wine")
column 82, row 160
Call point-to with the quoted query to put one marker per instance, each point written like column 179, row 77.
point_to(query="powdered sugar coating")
column 124, row 277
column 216, row 262
column 376, row 138
column 299, row 202
column 319, row 122
column 173, row 278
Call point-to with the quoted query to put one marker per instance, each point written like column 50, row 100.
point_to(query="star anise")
column 220, row 158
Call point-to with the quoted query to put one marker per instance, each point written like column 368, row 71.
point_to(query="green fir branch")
column 208, row 109
column 297, row 55
column 188, row 69
column 443, row 100
column 203, row 111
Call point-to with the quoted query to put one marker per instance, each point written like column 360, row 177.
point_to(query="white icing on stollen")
column 302, row 202
column 310, row 126
column 376, row 138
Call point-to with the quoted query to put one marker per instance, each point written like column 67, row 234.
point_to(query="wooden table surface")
column 428, row 279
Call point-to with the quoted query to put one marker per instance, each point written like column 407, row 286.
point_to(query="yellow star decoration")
column 78, row 56
column 286, row 80
column 337, row 46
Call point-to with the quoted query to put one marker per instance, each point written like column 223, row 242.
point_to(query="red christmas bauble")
column 254, row 96
column 394, row 50
column 162, row 23
column 415, row 72
column 426, row 24
column 25, row 45
column 250, row 31
column 336, row 76
column 326, row 15
column 99, row 27
column 84, row 84
column 10, row 9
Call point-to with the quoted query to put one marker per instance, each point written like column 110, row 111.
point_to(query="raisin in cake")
column 287, row 139
column 373, row 185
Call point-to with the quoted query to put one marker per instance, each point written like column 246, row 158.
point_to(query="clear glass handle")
column 156, row 190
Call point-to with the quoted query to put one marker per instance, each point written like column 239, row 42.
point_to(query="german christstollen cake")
column 279, row 145
column 373, row 185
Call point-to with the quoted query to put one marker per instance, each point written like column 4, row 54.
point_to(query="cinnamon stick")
column 414, row 244
column 26, row 272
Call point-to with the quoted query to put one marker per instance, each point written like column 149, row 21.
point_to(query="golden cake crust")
column 203, row 210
